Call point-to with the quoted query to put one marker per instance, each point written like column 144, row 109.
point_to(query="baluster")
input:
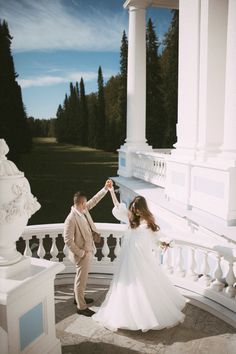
column 230, row 279
column 41, row 251
column 54, row 249
column 164, row 172
column 117, row 247
column 27, row 251
column 192, row 265
column 162, row 169
column 156, row 171
column 159, row 169
column 146, row 167
column 155, row 168
column 180, row 263
column 105, row 249
column 151, row 169
column 217, row 283
column 205, row 278
column 139, row 169
column 94, row 252
column 167, row 258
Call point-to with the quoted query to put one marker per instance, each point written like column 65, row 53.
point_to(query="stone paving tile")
column 201, row 332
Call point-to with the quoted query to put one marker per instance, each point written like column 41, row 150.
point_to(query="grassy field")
column 56, row 171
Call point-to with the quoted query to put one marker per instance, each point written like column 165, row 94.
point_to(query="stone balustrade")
column 150, row 166
column 206, row 273
column 46, row 241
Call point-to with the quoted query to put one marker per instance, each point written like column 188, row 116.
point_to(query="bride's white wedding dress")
column 141, row 297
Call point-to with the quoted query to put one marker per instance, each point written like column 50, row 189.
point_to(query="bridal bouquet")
column 164, row 244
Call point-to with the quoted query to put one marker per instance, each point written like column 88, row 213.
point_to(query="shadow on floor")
column 96, row 348
column 64, row 299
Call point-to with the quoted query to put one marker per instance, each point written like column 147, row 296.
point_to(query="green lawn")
column 56, row 171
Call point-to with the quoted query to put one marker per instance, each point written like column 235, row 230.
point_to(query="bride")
column 141, row 297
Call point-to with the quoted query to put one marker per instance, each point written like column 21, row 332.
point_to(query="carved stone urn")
column 17, row 205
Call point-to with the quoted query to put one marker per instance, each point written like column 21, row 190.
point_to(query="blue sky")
column 58, row 41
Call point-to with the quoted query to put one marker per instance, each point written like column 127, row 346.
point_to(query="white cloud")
column 50, row 25
column 48, row 80
column 40, row 81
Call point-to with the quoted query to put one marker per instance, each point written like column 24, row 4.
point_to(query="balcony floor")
column 201, row 332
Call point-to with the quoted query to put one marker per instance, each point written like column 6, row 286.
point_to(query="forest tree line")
column 97, row 119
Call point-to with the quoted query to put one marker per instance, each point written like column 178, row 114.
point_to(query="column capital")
column 141, row 4
column 133, row 5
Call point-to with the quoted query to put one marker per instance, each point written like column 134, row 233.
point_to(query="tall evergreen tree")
column 101, row 118
column 60, row 125
column 83, row 113
column 78, row 121
column 155, row 118
column 113, row 126
column 14, row 127
column 169, row 64
column 92, row 121
column 72, row 125
column 122, row 96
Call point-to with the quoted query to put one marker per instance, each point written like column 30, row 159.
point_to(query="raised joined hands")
column 108, row 184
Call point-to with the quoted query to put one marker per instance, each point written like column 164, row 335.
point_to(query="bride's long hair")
column 138, row 210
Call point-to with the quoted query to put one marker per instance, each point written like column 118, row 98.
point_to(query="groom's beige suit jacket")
column 77, row 232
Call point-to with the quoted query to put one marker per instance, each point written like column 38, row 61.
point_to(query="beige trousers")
column 81, row 277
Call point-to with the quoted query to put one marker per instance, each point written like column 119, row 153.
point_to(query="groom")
column 78, row 236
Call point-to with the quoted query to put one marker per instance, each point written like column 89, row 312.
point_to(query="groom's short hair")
column 78, row 195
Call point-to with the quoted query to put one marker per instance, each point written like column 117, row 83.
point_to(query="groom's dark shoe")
column 86, row 312
column 87, row 300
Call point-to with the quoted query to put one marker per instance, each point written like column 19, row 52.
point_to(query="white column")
column 136, row 80
column 136, row 89
column 188, row 77
column 213, row 36
column 229, row 144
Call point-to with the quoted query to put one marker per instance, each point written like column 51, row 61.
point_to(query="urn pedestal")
column 27, row 310
column 17, row 204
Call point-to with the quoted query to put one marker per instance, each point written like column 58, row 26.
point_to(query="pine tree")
column 60, row 124
column 14, row 127
column 92, row 121
column 113, row 126
column 122, row 96
column 78, row 121
column 101, row 119
column 83, row 113
column 169, row 64
column 155, row 118
column 72, row 119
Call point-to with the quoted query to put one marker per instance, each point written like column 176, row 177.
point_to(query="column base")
column 183, row 154
column 228, row 157
column 203, row 154
column 125, row 156
column 206, row 185
column 178, row 174
column 213, row 187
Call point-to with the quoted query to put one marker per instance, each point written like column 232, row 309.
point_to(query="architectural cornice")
column 171, row 4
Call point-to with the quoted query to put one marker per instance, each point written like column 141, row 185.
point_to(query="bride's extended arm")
column 119, row 211
column 113, row 196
